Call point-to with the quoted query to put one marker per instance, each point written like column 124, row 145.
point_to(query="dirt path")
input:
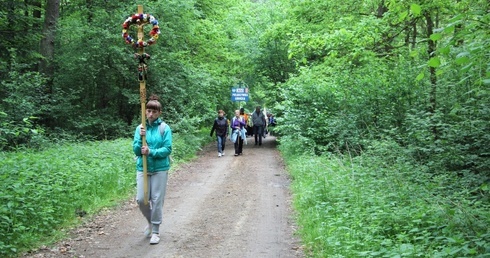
column 214, row 207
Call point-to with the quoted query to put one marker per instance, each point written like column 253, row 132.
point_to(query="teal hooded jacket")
column 160, row 144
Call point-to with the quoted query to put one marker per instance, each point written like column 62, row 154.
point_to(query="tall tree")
column 47, row 46
column 433, row 64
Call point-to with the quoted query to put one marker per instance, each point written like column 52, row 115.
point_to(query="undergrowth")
column 44, row 192
column 380, row 204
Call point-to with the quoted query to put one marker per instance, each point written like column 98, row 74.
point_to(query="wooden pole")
column 143, row 110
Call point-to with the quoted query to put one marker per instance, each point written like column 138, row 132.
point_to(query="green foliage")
column 15, row 135
column 408, row 182
column 44, row 191
column 186, row 145
column 362, row 76
column 205, row 47
column 21, row 107
column 381, row 204
column 20, row 29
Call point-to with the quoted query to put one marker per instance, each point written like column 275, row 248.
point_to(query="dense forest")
column 408, row 81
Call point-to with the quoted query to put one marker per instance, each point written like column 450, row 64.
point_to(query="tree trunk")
column 49, row 35
column 382, row 9
column 431, row 50
column 414, row 37
column 46, row 49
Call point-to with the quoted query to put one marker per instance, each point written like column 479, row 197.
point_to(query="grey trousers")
column 157, row 186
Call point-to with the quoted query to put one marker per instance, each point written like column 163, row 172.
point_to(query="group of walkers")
column 241, row 126
column 152, row 144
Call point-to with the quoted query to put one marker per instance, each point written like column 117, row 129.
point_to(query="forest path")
column 214, row 207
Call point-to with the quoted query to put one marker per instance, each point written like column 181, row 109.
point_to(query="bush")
column 383, row 204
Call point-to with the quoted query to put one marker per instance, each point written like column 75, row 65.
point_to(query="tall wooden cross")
column 142, row 78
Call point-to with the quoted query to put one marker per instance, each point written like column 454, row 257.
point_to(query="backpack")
column 161, row 127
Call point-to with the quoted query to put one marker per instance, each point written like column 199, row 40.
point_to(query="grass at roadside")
column 45, row 191
column 384, row 206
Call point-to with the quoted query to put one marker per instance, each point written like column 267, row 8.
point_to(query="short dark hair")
column 154, row 103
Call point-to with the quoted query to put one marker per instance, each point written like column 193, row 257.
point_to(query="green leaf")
column 445, row 50
column 467, row 67
column 434, row 62
column 462, row 60
column 463, row 54
column 456, row 18
column 415, row 8
column 403, row 15
column 420, row 76
column 484, row 187
column 449, row 29
column 436, row 36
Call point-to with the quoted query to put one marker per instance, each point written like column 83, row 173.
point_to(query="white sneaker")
column 155, row 239
column 147, row 231
column 223, row 153
column 219, row 154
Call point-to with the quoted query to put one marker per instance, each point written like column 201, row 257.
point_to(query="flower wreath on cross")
column 141, row 19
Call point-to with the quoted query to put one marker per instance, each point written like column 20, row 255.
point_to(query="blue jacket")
column 160, row 144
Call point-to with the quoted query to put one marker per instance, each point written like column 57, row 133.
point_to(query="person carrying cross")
column 157, row 151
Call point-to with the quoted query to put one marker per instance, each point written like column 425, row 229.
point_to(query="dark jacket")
column 221, row 126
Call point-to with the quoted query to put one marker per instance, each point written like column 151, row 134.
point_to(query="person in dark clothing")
column 220, row 125
column 258, row 119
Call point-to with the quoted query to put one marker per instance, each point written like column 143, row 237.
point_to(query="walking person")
column 157, row 152
column 220, row 125
column 272, row 123
column 244, row 115
column 250, row 125
column 237, row 126
column 258, row 120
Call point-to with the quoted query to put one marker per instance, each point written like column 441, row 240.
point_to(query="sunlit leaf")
column 449, row 29
column 415, row 8
column 436, row 36
column 403, row 15
column 434, row 62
